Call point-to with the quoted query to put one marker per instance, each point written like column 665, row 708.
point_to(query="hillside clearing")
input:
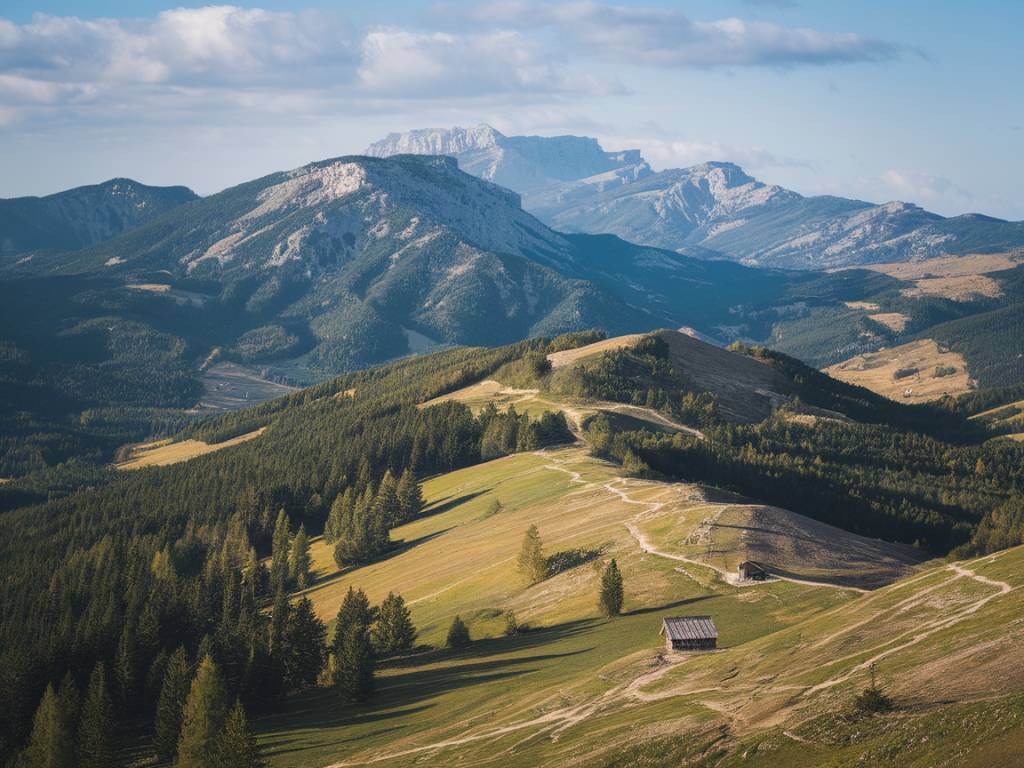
column 229, row 386
column 568, row 357
column 959, row 278
column 910, row 373
column 164, row 452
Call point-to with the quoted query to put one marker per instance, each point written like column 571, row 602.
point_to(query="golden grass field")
column 163, row 452
column 960, row 278
column 569, row 356
column 907, row 373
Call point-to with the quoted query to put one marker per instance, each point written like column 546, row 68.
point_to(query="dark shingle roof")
column 690, row 628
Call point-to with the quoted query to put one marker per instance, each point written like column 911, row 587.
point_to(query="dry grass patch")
column 895, row 321
column 959, row 278
column 910, row 373
column 164, row 452
column 569, row 356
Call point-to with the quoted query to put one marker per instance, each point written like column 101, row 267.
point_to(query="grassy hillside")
column 577, row 689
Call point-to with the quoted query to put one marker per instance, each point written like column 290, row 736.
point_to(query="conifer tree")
column 458, row 633
column 354, row 610
column 393, row 631
column 279, row 621
column 204, row 717
column 533, row 566
column 50, row 744
column 279, row 553
column 386, row 504
column 236, row 746
column 354, row 663
column 339, row 519
column 305, row 644
column 95, row 729
column 171, row 704
column 70, row 702
column 410, row 496
column 298, row 560
column 610, row 600
column 126, row 670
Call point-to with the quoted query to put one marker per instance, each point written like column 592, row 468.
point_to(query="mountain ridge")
column 82, row 216
column 716, row 210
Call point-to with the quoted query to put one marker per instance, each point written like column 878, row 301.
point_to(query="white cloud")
column 664, row 153
column 663, row 37
column 418, row 64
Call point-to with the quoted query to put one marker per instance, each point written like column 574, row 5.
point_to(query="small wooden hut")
column 690, row 633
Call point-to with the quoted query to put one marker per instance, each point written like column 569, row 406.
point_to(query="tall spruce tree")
column 51, row 744
column 410, row 496
column 171, row 704
column 533, row 566
column 298, row 559
column 352, row 648
column 354, row 664
column 279, row 550
column 96, row 728
column 386, row 505
column 393, row 632
column 205, row 713
column 236, row 746
column 610, row 599
column 305, row 646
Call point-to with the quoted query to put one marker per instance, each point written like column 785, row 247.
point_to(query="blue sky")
column 913, row 100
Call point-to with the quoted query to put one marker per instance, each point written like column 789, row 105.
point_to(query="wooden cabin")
column 751, row 571
column 690, row 633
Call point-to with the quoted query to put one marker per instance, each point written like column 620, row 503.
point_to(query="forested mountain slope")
column 83, row 216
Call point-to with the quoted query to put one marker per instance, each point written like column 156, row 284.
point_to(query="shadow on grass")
column 449, row 503
column 571, row 558
column 668, row 606
column 414, row 681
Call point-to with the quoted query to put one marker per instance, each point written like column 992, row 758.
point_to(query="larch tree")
column 171, row 704
column 50, row 744
column 95, row 729
column 533, row 566
column 610, row 599
column 236, row 746
column 203, row 721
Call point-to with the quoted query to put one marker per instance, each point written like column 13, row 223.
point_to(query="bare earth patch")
column 164, row 452
column 910, row 373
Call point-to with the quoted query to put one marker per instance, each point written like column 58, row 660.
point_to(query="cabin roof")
column 690, row 628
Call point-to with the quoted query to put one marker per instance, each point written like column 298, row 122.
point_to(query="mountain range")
column 713, row 210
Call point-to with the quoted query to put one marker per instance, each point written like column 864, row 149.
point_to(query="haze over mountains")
column 714, row 206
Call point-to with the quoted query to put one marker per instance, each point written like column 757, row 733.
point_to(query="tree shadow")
column 449, row 503
column 668, row 606
column 571, row 558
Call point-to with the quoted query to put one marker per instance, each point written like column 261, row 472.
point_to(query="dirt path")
column 927, row 629
column 728, row 577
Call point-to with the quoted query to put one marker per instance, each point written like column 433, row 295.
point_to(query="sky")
column 879, row 100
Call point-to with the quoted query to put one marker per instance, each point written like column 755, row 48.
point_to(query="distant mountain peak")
column 525, row 164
